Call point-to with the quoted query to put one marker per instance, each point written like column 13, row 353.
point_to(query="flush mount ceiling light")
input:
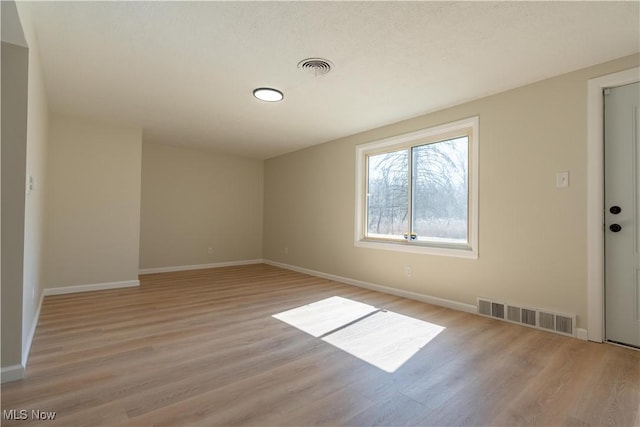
column 268, row 94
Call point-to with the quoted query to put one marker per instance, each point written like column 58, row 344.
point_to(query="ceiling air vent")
column 317, row 66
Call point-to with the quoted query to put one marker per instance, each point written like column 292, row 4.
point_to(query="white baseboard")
column 11, row 373
column 198, row 266
column 468, row 308
column 582, row 334
column 91, row 287
column 27, row 347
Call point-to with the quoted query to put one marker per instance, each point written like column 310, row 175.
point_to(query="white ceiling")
column 185, row 71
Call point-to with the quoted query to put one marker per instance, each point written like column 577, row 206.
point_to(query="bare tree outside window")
column 440, row 190
column 417, row 192
column 435, row 204
column 387, row 201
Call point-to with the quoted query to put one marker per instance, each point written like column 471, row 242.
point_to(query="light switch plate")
column 562, row 179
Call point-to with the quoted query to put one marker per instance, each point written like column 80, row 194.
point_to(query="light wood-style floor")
column 202, row 348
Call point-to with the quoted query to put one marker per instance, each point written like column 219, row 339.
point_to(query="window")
column 418, row 192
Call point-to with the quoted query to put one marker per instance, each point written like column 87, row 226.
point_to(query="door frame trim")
column 595, row 196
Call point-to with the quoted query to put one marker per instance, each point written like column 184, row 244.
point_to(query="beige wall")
column 24, row 136
column 532, row 244
column 93, row 203
column 193, row 200
column 37, row 134
column 14, row 152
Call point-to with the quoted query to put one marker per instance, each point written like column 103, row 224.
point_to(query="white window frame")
column 470, row 250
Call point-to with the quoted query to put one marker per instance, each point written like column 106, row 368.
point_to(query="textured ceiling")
column 185, row 71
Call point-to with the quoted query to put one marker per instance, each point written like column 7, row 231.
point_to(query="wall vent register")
column 533, row 317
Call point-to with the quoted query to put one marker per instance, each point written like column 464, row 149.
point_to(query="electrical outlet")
column 286, row 251
column 210, row 251
column 407, row 270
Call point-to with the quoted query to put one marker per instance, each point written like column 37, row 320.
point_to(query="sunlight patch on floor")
column 382, row 338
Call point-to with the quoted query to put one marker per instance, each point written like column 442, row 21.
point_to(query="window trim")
column 422, row 136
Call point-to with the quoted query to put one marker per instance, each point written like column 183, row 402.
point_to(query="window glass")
column 418, row 192
column 387, row 194
column 439, row 193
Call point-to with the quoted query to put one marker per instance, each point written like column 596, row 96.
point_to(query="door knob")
column 615, row 228
column 615, row 210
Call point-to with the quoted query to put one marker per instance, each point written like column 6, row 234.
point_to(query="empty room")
column 320, row 213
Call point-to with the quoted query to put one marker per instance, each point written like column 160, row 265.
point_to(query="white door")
column 622, row 206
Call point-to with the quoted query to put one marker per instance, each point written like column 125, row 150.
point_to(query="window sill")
column 457, row 251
